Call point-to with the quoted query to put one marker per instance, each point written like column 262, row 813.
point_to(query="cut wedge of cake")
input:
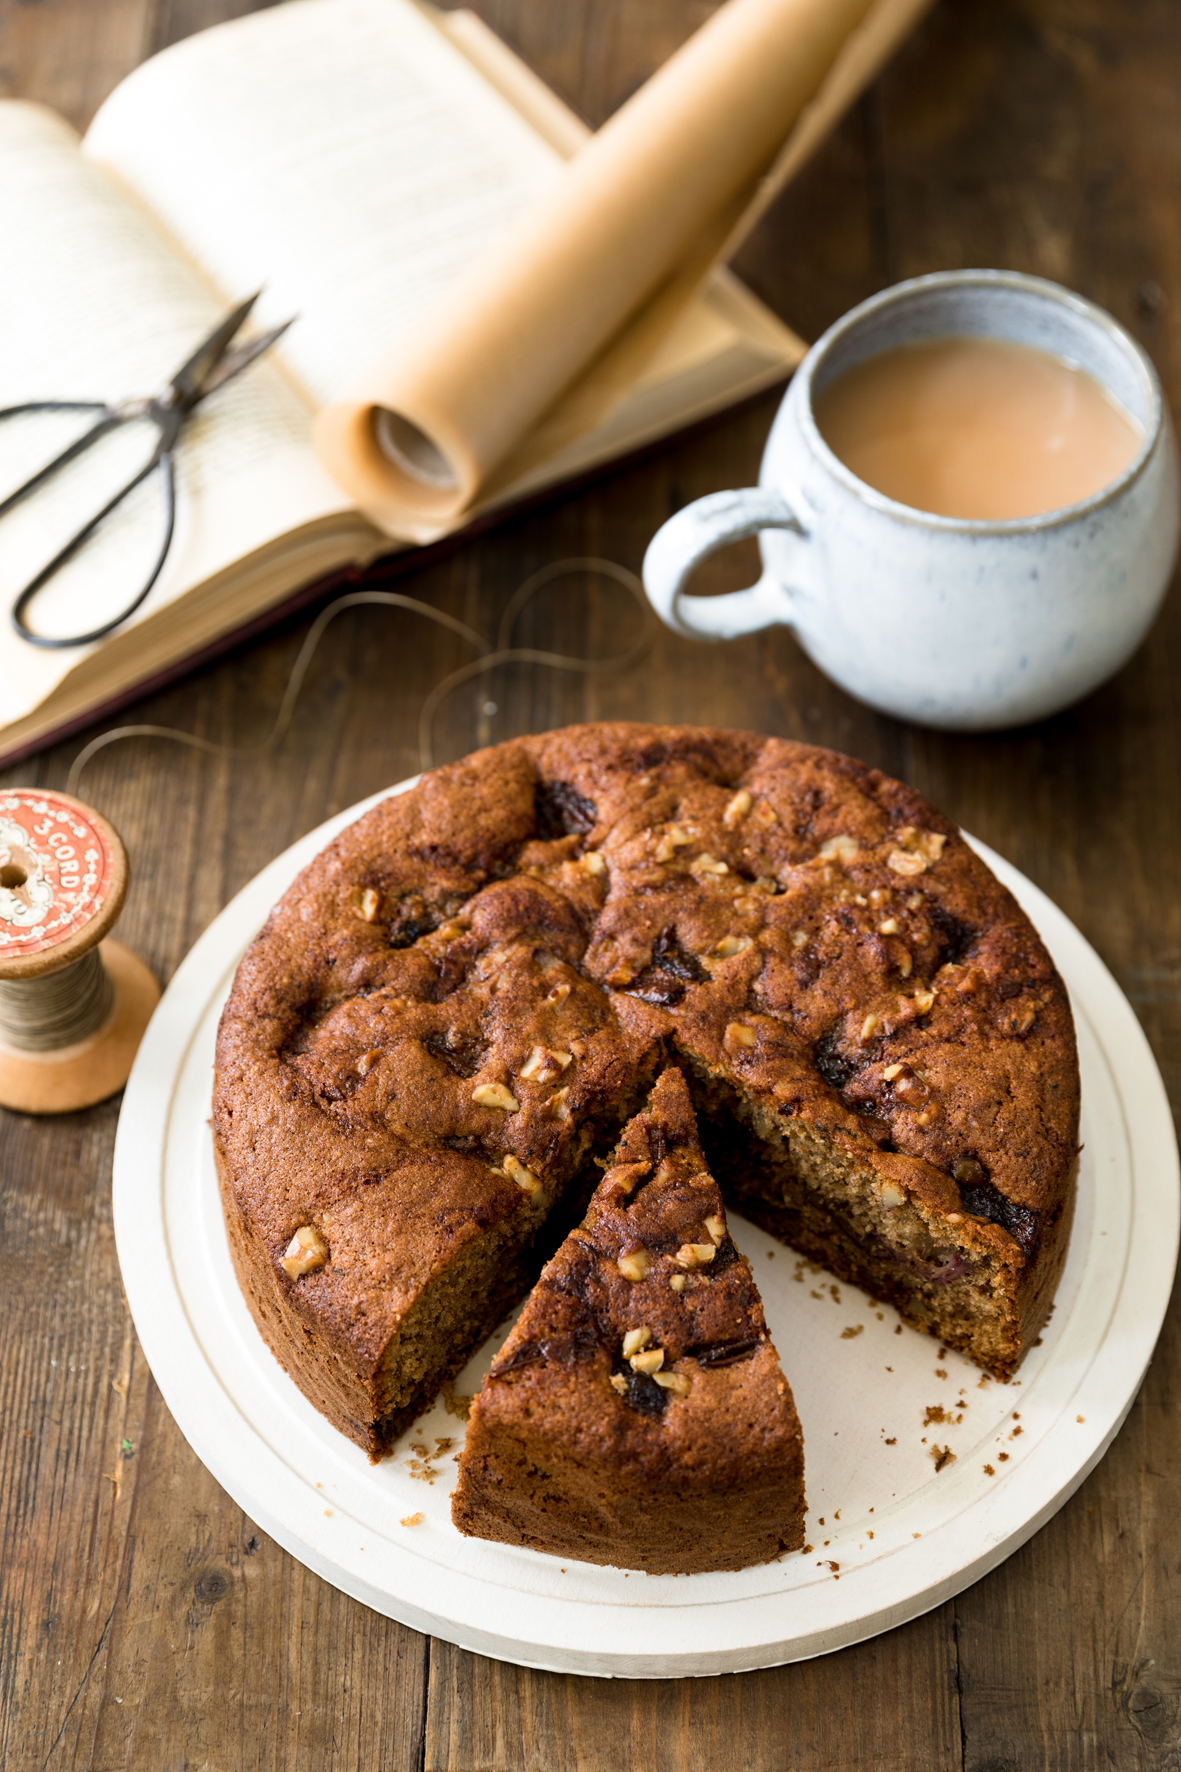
column 637, row 1414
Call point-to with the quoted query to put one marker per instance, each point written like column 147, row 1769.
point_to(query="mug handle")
column 691, row 536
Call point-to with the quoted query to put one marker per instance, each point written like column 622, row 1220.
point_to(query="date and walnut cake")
column 456, row 1007
column 637, row 1414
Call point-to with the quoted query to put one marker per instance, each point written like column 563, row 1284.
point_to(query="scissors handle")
column 110, row 418
column 107, row 422
column 161, row 462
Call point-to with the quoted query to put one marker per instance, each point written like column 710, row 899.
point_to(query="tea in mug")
column 976, row 428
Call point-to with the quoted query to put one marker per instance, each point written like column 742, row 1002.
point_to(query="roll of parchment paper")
column 557, row 321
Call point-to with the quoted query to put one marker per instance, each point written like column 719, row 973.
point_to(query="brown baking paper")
column 544, row 335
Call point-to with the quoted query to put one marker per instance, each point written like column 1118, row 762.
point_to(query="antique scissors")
column 210, row 367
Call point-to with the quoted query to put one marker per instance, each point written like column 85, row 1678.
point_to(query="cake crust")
column 455, row 1007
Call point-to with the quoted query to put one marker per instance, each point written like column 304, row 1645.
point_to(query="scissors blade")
column 190, row 380
column 234, row 362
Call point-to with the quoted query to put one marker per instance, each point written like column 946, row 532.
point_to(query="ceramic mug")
column 948, row 621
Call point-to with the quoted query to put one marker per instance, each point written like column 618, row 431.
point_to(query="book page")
column 95, row 305
column 342, row 154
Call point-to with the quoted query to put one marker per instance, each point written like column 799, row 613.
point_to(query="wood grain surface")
column 146, row 1623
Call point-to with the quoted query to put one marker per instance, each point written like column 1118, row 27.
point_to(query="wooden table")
column 146, row 1622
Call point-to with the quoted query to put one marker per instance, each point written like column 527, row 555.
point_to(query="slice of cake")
column 637, row 1414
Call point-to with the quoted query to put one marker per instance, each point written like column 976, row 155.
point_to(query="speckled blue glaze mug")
column 953, row 622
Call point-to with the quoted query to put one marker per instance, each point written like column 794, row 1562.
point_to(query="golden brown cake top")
column 465, row 977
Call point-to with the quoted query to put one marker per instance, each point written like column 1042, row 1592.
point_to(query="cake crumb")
column 836, row 1294
column 412, row 1520
column 807, row 1549
column 854, row 1329
column 457, row 1403
column 892, row 1442
column 943, row 1455
column 1080, row 1418
column 898, row 1329
column 1002, row 1457
column 817, row 1295
column 935, row 1412
column 989, row 1471
column 1015, row 1432
column 939, row 1372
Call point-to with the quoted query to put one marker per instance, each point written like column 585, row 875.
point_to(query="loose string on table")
column 57, row 1009
column 489, row 658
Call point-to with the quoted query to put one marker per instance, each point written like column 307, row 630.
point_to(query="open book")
column 351, row 157
column 368, row 164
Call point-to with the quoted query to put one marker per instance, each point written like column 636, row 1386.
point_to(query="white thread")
column 502, row 653
column 58, row 1008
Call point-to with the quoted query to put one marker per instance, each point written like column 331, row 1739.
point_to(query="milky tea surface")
column 977, row 428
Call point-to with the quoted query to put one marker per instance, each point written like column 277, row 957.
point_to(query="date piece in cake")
column 637, row 1414
column 457, row 1005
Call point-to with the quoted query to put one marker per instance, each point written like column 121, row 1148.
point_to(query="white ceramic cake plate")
column 890, row 1535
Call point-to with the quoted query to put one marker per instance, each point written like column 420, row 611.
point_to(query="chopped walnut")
column 868, row 1027
column 635, row 1341
column 619, row 1383
column 543, row 1064
column 738, row 808
column 705, row 863
column 731, row 945
column 891, row 1071
column 891, row 1195
column 889, row 927
column 673, row 839
column 917, row 850
column 367, row 1061
column 676, row 1382
column 525, row 1179
column 694, row 1254
column 557, row 1107
column 715, row 1224
column 495, row 1095
column 739, row 1034
column 798, row 937
column 677, row 1282
column 924, row 1001
column 593, row 862
column 635, row 1264
column 370, row 904
column 306, row 1252
column 621, row 976
column 650, row 1361
column 905, row 963
column 765, row 814
column 558, row 995
column 839, row 849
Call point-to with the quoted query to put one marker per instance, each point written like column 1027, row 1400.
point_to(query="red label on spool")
column 55, row 871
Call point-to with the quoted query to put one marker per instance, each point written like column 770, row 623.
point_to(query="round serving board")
column 922, row 1475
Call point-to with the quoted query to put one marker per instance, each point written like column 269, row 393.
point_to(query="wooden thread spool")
column 73, row 1006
